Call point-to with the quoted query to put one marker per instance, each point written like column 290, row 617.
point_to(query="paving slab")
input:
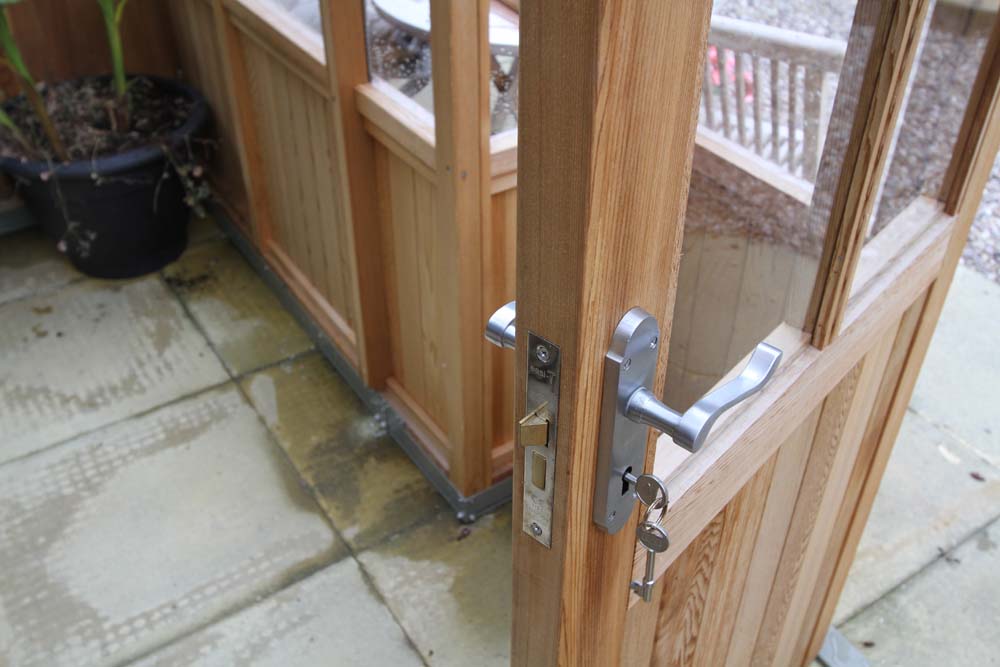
column 29, row 263
column 91, row 354
column 201, row 230
column 366, row 484
column 126, row 538
column 330, row 618
column 242, row 318
column 450, row 587
column 930, row 500
column 957, row 388
column 948, row 614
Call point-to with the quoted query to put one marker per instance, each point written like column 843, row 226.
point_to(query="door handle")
column 690, row 429
column 500, row 329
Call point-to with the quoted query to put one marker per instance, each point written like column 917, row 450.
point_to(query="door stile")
column 347, row 68
column 460, row 69
column 893, row 31
column 972, row 161
column 609, row 101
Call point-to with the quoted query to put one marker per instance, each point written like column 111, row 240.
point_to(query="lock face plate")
column 629, row 364
column 541, row 402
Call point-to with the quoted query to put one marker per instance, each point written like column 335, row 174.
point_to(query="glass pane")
column 504, row 26
column 399, row 46
column 950, row 52
column 305, row 12
column 779, row 94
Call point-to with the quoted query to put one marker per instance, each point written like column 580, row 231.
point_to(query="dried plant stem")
column 43, row 116
column 15, row 62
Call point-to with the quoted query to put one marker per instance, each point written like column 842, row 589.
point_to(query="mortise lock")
column 536, row 431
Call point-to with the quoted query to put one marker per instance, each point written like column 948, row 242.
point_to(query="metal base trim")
column 467, row 508
column 838, row 651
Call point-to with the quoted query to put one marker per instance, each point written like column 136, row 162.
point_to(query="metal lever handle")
column 500, row 329
column 690, row 429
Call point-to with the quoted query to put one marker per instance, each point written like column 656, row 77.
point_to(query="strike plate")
column 541, row 404
column 629, row 365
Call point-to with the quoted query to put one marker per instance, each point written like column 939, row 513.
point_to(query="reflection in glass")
column 778, row 97
column 305, row 12
column 399, row 51
column 399, row 46
column 949, row 56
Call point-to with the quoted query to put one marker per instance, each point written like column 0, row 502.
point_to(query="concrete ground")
column 184, row 479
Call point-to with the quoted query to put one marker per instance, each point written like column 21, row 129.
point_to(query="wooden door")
column 614, row 173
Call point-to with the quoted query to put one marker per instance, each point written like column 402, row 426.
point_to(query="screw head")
column 536, row 530
column 542, row 353
column 627, row 365
column 654, row 342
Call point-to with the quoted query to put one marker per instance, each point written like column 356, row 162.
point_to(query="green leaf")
column 10, row 49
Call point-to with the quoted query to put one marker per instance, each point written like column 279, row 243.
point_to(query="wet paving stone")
column 202, row 230
column 928, row 502
column 946, row 615
column 450, row 587
column 90, row 354
column 29, row 263
column 330, row 618
column 242, row 318
column 119, row 541
column 366, row 484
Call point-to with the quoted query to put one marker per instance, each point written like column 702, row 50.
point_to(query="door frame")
column 593, row 199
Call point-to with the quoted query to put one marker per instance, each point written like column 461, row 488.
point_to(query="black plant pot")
column 118, row 216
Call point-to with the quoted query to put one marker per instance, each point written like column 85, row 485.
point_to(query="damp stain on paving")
column 149, row 527
column 450, row 586
column 363, row 481
column 238, row 313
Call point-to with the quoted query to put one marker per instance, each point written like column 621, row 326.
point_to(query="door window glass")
column 304, row 12
column 779, row 91
column 949, row 56
column 399, row 46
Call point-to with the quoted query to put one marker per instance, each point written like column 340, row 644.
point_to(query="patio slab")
column 957, row 389
column 366, row 484
column 124, row 539
column 203, row 230
column 242, row 318
column 30, row 263
column 450, row 587
column 331, row 618
column 947, row 614
column 930, row 500
column 91, row 354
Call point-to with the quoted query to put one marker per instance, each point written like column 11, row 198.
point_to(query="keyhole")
column 628, row 471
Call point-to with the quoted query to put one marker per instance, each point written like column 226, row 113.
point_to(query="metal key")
column 650, row 488
column 655, row 539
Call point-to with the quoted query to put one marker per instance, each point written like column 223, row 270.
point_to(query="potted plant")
column 108, row 165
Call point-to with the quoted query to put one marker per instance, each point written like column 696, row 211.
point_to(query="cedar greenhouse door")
column 736, row 198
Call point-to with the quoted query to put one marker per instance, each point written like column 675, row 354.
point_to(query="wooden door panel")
column 751, row 572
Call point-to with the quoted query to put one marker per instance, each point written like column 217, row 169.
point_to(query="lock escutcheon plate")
column 629, row 364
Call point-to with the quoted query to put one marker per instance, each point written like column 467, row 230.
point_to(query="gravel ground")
column 982, row 252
